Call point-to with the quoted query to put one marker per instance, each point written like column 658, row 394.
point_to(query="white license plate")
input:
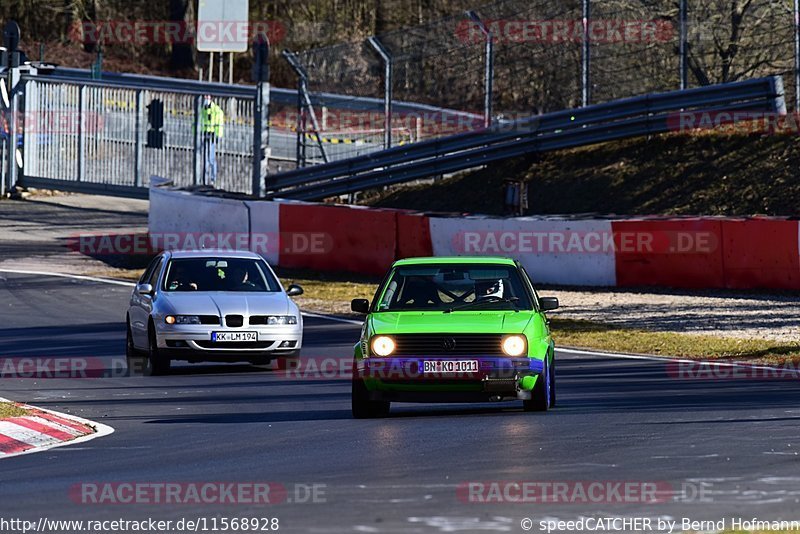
column 242, row 337
column 450, row 366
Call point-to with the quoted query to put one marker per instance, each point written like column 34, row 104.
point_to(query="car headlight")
column 514, row 345
column 383, row 345
column 281, row 319
column 182, row 319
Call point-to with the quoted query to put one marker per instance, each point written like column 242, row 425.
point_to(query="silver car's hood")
column 224, row 303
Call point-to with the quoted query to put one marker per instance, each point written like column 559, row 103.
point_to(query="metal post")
column 586, row 58
column 199, row 159
column 230, row 68
column 81, row 134
column 386, row 57
column 488, row 62
column 221, row 56
column 260, row 138
column 797, row 56
column 684, row 44
column 137, row 143
column 304, row 106
column 11, row 176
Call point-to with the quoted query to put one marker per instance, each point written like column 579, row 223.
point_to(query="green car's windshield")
column 217, row 274
column 461, row 287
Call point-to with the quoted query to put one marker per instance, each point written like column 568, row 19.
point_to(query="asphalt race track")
column 716, row 448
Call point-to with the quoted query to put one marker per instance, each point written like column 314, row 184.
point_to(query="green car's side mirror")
column 360, row 306
column 548, row 303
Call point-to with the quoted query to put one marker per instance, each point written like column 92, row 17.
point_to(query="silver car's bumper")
column 178, row 339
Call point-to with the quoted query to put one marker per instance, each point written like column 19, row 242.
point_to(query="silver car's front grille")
column 234, row 321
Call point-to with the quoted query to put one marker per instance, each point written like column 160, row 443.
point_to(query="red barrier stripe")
column 83, row 429
column 40, row 428
column 761, row 253
column 669, row 252
column 10, row 445
column 413, row 236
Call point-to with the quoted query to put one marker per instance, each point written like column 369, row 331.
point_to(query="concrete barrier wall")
column 707, row 252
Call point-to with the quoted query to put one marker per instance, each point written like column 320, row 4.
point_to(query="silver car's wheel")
column 133, row 357
column 155, row 364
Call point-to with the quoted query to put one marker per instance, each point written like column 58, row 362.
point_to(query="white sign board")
column 223, row 26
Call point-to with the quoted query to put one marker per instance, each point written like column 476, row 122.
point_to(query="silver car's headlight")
column 281, row 319
column 182, row 319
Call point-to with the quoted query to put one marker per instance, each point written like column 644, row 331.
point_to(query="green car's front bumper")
column 402, row 379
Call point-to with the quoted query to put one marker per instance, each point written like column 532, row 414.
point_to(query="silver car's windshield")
column 219, row 274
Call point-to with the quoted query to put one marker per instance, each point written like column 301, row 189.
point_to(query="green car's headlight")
column 382, row 345
column 514, row 345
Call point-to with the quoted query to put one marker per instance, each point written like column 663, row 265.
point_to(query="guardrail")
column 630, row 117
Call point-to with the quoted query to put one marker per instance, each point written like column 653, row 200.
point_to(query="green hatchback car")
column 454, row 329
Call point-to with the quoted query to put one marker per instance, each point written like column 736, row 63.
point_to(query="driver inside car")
column 487, row 289
column 178, row 280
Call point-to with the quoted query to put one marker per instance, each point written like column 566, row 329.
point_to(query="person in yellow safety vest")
column 212, row 125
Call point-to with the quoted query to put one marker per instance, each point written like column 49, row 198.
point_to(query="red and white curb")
column 43, row 429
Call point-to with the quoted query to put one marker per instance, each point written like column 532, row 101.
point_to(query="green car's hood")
column 466, row 322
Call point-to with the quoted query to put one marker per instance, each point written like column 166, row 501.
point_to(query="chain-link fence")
column 544, row 55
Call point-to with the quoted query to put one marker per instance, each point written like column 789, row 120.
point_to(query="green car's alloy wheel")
column 543, row 393
column 363, row 406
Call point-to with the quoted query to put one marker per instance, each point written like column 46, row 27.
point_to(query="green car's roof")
column 489, row 260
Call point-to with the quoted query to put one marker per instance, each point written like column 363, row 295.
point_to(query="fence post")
column 199, row 158
column 586, row 55
column 488, row 63
column 388, row 66
column 81, row 134
column 260, row 137
column 796, row 9
column 304, row 106
column 137, row 146
column 683, row 15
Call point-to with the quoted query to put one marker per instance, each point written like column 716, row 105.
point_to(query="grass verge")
column 598, row 336
column 8, row 409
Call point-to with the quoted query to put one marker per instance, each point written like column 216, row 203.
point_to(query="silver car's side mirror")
column 144, row 289
column 294, row 290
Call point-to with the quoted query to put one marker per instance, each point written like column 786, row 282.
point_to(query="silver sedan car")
column 210, row 306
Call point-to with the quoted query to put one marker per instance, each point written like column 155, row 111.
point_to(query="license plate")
column 450, row 366
column 234, row 337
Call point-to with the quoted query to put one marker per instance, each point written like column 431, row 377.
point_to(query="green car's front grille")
column 448, row 344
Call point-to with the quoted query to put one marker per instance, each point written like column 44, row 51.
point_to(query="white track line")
column 73, row 276
column 354, row 322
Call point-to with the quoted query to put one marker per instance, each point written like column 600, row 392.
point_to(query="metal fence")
column 95, row 134
column 514, row 58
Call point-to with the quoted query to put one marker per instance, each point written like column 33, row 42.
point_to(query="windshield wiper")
column 488, row 300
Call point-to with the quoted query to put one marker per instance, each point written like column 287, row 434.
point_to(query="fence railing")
column 90, row 135
column 650, row 114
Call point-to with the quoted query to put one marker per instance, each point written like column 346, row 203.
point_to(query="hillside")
column 708, row 174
